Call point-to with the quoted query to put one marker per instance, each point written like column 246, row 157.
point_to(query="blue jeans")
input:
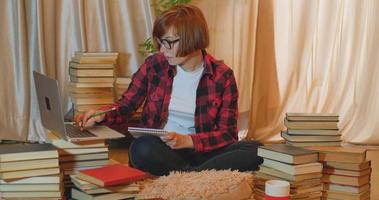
column 150, row 154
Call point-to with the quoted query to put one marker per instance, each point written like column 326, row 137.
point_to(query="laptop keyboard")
column 74, row 132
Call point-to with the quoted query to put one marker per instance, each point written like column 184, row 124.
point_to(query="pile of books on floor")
column 298, row 166
column 311, row 129
column 92, row 79
column 116, row 181
column 78, row 156
column 121, row 85
column 346, row 173
column 29, row 171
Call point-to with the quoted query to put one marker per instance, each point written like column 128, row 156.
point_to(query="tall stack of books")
column 298, row 166
column 116, row 181
column 311, row 129
column 29, row 171
column 92, row 79
column 79, row 155
column 346, row 173
column 121, row 85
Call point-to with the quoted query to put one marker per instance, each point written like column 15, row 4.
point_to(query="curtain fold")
column 43, row 35
column 326, row 61
column 287, row 56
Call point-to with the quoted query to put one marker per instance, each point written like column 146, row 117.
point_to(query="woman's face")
column 169, row 43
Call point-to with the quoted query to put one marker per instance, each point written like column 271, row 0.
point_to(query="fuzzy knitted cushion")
column 210, row 184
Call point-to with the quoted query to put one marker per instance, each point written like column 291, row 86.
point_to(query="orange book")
column 111, row 175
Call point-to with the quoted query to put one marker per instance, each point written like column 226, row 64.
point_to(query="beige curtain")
column 42, row 35
column 232, row 26
column 287, row 55
column 317, row 56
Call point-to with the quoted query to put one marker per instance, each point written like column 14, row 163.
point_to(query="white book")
column 346, row 188
column 29, row 173
column 91, row 72
column 29, row 194
column 96, row 54
column 123, row 80
column 312, row 132
column 29, row 187
column 312, row 117
column 63, row 144
column 28, row 164
column 293, row 169
column 77, row 194
column 63, row 152
column 33, row 180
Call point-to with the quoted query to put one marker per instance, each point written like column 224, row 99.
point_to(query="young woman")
column 188, row 93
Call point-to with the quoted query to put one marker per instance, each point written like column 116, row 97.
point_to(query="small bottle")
column 277, row 190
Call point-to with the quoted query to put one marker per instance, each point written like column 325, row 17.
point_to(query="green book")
column 288, row 154
column 22, row 151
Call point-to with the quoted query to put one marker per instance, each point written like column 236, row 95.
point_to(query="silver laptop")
column 52, row 114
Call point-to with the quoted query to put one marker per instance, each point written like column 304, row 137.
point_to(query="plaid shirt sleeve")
column 225, row 131
column 131, row 99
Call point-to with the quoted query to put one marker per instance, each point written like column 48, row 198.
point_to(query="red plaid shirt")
column 216, row 110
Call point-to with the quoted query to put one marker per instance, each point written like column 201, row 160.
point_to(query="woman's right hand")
column 84, row 121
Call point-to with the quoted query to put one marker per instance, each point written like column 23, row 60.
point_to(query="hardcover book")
column 320, row 125
column 348, row 166
column 300, row 169
column 288, row 154
column 111, row 175
column 341, row 154
column 17, row 152
column 77, row 194
column 311, row 132
column 312, row 117
column 310, row 138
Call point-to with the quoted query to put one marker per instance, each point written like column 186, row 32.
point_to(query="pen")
column 99, row 113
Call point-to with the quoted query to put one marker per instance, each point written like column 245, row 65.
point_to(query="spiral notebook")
column 137, row 132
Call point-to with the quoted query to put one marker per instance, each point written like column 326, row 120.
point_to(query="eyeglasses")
column 168, row 44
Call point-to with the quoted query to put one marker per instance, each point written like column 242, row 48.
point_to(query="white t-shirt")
column 181, row 110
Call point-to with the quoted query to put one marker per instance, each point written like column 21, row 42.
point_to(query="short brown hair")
column 189, row 23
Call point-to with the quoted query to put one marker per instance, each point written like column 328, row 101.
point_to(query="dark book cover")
column 25, row 147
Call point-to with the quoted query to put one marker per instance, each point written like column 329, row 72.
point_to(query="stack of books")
column 298, row 166
column 311, row 129
column 92, row 79
column 116, row 181
column 29, row 171
column 346, row 173
column 79, row 155
column 121, row 84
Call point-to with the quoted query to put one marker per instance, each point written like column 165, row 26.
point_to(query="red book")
column 111, row 175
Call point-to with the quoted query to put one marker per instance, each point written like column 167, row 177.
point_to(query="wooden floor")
column 119, row 153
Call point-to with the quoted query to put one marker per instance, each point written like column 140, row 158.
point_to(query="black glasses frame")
column 168, row 44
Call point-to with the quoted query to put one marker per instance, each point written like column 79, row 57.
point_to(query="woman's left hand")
column 177, row 141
